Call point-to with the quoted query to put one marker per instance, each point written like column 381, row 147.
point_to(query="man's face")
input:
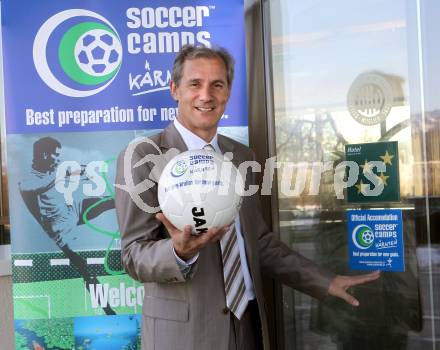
column 53, row 159
column 202, row 95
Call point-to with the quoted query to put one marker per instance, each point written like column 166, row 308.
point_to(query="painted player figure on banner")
column 48, row 206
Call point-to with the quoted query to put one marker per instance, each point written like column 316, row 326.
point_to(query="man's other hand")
column 187, row 245
column 338, row 287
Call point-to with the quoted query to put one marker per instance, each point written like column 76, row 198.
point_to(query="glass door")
column 353, row 72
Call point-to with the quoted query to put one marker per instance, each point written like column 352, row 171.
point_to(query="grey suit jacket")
column 189, row 314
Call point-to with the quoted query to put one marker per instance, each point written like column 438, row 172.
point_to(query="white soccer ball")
column 200, row 188
column 98, row 52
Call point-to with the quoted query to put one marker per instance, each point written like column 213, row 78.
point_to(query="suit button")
column 225, row 310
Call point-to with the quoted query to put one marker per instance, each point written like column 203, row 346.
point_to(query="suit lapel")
column 226, row 145
column 172, row 139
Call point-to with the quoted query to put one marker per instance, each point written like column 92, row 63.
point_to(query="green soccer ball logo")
column 363, row 236
column 367, row 237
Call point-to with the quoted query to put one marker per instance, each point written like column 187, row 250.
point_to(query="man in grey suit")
column 186, row 306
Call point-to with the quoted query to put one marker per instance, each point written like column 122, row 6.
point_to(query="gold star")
column 387, row 158
column 367, row 167
column 361, row 187
column 383, row 178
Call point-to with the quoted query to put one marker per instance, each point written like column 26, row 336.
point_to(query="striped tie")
column 236, row 299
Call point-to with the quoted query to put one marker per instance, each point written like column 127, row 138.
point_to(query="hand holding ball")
column 200, row 188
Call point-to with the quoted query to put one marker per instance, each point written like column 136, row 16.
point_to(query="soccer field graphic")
column 51, row 301
column 78, row 274
column 70, row 298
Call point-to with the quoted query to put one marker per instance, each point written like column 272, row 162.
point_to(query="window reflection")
column 342, row 75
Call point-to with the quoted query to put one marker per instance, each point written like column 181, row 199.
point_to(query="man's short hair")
column 191, row 52
column 46, row 145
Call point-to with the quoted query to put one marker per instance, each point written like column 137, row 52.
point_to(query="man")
column 49, row 208
column 186, row 304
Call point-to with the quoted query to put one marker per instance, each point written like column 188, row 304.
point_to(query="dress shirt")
column 194, row 142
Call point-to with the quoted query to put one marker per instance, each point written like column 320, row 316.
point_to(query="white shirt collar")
column 193, row 141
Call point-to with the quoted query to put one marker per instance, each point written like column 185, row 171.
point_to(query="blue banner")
column 82, row 80
column 376, row 240
column 105, row 65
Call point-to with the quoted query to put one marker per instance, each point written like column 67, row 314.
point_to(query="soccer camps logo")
column 77, row 53
column 179, row 168
column 363, row 236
